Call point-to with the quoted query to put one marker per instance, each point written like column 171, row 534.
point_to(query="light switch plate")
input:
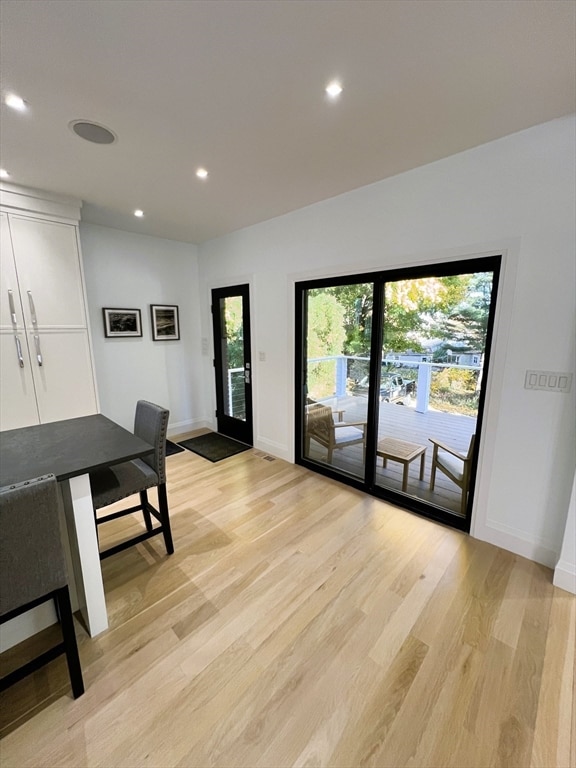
column 549, row 381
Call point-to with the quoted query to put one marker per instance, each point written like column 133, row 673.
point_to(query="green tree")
column 410, row 307
column 452, row 308
column 326, row 336
column 466, row 324
column 326, row 331
column 356, row 301
column 234, row 331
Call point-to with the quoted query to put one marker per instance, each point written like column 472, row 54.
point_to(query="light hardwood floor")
column 302, row 623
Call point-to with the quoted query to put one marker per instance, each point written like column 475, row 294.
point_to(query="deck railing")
column 236, row 396
column 342, row 365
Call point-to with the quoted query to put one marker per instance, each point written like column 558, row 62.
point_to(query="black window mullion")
column 374, row 378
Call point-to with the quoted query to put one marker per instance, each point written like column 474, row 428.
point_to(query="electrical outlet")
column 549, row 381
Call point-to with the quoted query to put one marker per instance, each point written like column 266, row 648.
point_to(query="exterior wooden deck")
column 405, row 423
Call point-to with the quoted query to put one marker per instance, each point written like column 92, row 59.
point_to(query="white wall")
column 565, row 572
column 133, row 271
column 514, row 196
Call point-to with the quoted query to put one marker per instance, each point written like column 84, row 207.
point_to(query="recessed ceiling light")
column 138, row 213
column 4, row 174
column 202, row 173
column 97, row 134
column 334, row 89
column 15, row 102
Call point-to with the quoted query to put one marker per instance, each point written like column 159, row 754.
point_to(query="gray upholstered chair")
column 33, row 569
column 122, row 480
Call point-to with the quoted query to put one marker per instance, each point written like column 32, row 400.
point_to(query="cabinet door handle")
column 38, row 350
column 19, row 351
column 32, row 311
column 12, row 309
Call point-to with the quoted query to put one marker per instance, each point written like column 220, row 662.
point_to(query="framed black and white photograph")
column 122, row 323
column 165, row 324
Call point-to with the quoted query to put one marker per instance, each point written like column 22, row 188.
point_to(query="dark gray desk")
column 66, row 448
column 71, row 449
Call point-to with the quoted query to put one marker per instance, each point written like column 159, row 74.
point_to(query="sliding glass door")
column 390, row 382
column 338, row 337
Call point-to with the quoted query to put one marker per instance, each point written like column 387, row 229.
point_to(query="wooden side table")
column 390, row 448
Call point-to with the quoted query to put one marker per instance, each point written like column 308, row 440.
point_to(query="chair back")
column 320, row 421
column 151, row 424
column 470, row 448
column 32, row 562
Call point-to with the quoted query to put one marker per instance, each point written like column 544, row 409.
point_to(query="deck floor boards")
column 405, row 423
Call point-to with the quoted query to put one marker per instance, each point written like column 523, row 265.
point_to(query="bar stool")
column 138, row 476
column 33, row 569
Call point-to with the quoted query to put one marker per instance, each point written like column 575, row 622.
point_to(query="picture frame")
column 120, row 323
column 165, row 322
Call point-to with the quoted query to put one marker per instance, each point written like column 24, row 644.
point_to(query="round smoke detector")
column 97, row 134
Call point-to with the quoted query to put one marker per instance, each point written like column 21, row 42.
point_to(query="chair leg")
column 163, row 509
column 433, row 468
column 62, row 600
column 464, row 499
column 145, row 513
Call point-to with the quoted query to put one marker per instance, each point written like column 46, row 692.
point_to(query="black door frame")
column 238, row 429
column 368, row 485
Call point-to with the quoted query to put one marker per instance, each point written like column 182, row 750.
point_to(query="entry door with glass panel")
column 232, row 362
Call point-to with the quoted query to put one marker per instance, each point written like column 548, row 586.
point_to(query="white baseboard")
column 276, row 449
column 179, row 427
column 512, row 540
column 565, row 576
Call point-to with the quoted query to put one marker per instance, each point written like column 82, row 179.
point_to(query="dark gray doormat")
column 172, row 448
column 214, row 447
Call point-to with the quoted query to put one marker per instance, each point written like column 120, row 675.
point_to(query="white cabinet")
column 49, row 275
column 18, row 406
column 64, row 384
column 46, row 370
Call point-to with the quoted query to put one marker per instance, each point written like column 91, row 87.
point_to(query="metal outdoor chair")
column 138, row 476
column 33, row 569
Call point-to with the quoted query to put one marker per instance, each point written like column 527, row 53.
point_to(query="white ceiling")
column 238, row 87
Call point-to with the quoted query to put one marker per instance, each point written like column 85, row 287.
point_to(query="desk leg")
column 81, row 529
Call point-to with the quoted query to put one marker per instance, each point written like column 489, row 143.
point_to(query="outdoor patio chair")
column 454, row 465
column 320, row 426
column 131, row 477
column 339, row 412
